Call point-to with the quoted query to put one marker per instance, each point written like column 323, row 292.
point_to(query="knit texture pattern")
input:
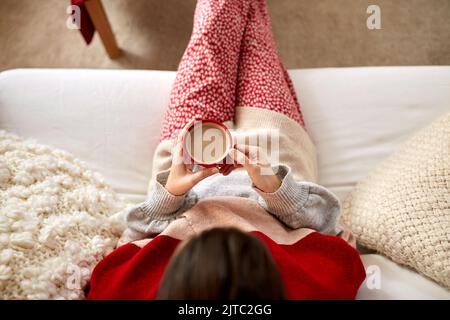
column 55, row 221
column 402, row 208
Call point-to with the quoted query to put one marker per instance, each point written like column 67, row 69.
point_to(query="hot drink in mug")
column 207, row 143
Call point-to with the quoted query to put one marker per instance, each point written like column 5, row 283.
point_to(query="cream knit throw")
column 402, row 209
column 54, row 224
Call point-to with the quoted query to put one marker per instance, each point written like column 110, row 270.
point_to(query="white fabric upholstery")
column 111, row 120
column 358, row 116
column 386, row 280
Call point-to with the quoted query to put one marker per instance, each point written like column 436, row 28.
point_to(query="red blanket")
column 316, row 267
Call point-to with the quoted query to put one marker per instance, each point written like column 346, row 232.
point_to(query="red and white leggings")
column 231, row 60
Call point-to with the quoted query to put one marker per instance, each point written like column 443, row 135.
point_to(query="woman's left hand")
column 255, row 161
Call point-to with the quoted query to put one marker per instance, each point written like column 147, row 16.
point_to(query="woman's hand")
column 346, row 234
column 181, row 178
column 255, row 161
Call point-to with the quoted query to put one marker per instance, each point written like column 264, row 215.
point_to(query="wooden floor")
column 154, row 33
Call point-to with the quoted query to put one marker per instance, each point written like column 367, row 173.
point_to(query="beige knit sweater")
column 296, row 151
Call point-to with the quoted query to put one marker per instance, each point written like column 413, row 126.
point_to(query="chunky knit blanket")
column 402, row 208
column 55, row 221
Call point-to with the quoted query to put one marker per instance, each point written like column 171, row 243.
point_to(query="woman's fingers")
column 179, row 152
column 190, row 167
column 256, row 155
column 182, row 132
column 248, row 150
column 186, row 126
column 231, row 168
column 241, row 159
column 246, row 155
column 348, row 236
column 238, row 157
column 202, row 174
column 253, row 153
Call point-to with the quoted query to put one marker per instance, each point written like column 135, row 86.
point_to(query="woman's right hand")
column 258, row 167
column 181, row 178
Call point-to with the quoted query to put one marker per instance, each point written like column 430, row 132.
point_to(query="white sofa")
column 111, row 120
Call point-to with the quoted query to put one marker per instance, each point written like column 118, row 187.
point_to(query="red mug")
column 207, row 142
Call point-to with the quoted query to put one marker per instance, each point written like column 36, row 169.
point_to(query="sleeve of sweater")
column 152, row 216
column 302, row 204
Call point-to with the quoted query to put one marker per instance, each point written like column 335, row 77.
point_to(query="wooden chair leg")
column 103, row 27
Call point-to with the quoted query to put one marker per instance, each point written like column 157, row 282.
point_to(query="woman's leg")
column 263, row 82
column 205, row 85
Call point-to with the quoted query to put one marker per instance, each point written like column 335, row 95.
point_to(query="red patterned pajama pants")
column 231, row 60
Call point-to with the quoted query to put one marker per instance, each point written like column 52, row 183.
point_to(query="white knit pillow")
column 402, row 209
column 54, row 221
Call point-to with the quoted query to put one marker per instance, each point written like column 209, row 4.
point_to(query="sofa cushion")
column 402, row 208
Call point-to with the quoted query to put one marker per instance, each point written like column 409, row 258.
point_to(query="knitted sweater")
column 312, row 265
column 296, row 204
column 299, row 202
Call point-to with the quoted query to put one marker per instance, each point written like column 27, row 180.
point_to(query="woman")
column 233, row 232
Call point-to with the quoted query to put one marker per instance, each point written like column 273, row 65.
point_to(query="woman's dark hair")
column 222, row 263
